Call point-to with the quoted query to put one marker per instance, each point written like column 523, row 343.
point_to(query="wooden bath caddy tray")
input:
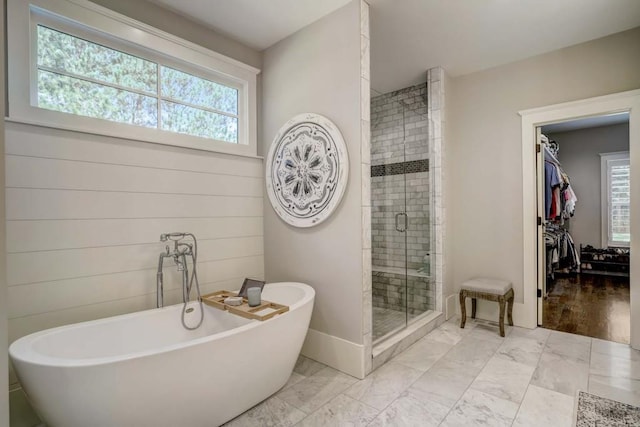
column 216, row 299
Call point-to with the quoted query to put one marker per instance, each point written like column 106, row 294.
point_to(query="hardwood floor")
column 589, row 305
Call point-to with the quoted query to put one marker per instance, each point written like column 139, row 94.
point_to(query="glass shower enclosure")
column 402, row 287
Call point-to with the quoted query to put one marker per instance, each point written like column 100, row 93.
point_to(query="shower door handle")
column 398, row 225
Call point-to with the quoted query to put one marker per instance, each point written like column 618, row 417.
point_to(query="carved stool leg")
column 510, row 308
column 473, row 307
column 463, row 309
column 501, row 301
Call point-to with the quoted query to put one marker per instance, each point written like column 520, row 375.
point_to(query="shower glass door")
column 400, row 225
column 389, row 225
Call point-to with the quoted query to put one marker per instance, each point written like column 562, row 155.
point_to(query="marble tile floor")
column 460, row 377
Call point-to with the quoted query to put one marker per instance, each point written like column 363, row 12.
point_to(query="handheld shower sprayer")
column 173, row 236
column 181, row 251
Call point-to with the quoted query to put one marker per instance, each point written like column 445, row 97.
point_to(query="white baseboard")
column 490, row 310
column 338, row 353
column 451, row 309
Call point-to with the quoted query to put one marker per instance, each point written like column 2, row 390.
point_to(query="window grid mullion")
column 199, row 107
column 95, row 81
column 159, row 95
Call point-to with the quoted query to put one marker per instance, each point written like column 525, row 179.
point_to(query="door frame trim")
column 618, row 102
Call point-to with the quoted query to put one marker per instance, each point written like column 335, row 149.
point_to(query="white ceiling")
column 410, row 36
column 464, row 36
column 255, row 23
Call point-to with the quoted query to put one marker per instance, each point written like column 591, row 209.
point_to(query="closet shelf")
column 593, row 261
column 605, row 273
column 615, row 262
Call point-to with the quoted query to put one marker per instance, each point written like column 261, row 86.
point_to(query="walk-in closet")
column 584, row 200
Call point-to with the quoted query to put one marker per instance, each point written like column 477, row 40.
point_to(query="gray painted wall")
column 484, row 158
column 580, row 157
column 318, row 70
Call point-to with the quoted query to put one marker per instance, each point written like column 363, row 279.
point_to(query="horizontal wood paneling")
column 35, row 141
column 81, row 175
column 85, row 213
column 26, row 236
column 30, row 267
column 23, row 300
column 29, row 204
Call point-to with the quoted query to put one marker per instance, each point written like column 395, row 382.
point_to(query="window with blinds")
column 616, row 194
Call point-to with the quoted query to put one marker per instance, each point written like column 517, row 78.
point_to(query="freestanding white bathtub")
column 145, row 369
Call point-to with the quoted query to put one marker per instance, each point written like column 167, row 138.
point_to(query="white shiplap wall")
column 84, row 216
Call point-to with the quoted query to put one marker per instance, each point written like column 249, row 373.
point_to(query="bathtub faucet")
column 182, row 250
column 159, row 281
column 179, row 254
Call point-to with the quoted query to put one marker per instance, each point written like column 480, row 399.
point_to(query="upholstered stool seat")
column 487, row 289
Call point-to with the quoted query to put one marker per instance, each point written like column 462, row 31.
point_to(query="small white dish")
column 233, row 301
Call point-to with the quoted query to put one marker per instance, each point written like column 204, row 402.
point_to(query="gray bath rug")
column 597, row 411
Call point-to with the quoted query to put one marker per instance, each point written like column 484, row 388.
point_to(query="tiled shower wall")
column 388, row 199
column 387, row 131
column 389, row 292
column 400, row 164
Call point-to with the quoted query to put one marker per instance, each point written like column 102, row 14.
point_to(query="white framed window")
column 76, row 65
column 615, row 179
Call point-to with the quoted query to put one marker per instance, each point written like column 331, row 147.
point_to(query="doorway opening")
column 583, row 181
column 531, row 310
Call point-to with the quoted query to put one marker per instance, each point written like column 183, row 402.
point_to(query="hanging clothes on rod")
column 560, row 199
column 562, row 253
column 560, row 204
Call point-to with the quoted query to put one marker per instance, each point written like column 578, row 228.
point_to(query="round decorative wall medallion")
column 307, row 170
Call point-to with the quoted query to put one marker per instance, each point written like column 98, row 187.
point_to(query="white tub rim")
column 21, row 349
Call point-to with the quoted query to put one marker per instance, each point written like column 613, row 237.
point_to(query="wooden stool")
column 488, row 289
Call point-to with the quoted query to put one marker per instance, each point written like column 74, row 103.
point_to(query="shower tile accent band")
column 400, row 168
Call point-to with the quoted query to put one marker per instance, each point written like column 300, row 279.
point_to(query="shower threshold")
column 388, row 322
column 403, row 337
